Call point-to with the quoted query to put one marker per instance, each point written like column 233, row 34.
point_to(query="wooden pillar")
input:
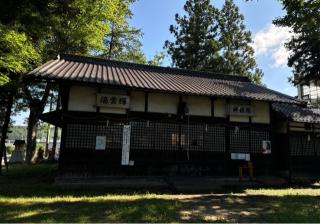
column 146, row 102
column 64, row 89
column 227, row 139
column 289, row 152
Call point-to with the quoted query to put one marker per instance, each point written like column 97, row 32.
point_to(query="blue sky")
column 154, row 17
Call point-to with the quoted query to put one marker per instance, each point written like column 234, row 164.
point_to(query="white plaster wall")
column 137, row 101
column 113, row 91
column 163, row 103
column 198, row 105
column 298, row 127
column 261, row 112
column 236, row 118
column 112, row 110
column 82, row 98
column 219, row 108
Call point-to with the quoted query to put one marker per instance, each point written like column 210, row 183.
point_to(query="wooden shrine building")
column 131, row 119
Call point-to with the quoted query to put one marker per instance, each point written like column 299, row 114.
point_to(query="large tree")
column 17, row 55
column 54, row 26
column 195, row 45
column 123, row 43
column 213, row 40
column 235, row 41
column 303, row 17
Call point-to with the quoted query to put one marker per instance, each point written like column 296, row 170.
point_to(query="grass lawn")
column 27, row 195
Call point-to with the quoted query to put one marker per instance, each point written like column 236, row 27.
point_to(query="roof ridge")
column 280, row 93
column 203, row 74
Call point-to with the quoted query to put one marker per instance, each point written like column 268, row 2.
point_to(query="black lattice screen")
column 174, row 136
column 140, row 135
column 83, row 136
column 164, row 136
column 193, row 136
column 317, row 145
column 256, row 140
column 167, row 136
column 247, row 141
column 214, row 138
column 304, row 144
column 239, row 140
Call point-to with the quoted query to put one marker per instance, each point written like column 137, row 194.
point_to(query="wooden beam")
column 146, row 102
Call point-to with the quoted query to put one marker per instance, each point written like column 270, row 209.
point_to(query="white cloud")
column 270, row 41
column 280, row 56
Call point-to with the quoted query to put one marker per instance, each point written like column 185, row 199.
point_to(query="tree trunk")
column 111, row 42
column 4, row 129
column 32, row 132
column 48, row 132
column 36, row 109
column 55, row 135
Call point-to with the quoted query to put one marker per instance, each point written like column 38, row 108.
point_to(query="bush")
column 40, row 146
column 9, row 150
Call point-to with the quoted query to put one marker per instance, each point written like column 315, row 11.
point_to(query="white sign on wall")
column 126, row 145
column 240, row 156
column 114, row 101
column 266, row 147
column 101, row 142
column 241, row 110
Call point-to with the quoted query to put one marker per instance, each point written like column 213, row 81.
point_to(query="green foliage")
column 303, row 17
column 123, row 42
column 20, row 132
column 9, row 149
column 50, row 27
column 237, row 54
column 157, row 59
column 213, row 40
column 196, row 45
column 80, row 26
column 40, row 146
column 71, row 26
column 17, row 54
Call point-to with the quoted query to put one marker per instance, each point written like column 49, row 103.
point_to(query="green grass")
column 28, row 195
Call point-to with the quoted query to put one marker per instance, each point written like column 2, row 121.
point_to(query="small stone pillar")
column 19, row 153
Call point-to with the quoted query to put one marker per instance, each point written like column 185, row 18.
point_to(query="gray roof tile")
column 298, row 113
column 130, row 75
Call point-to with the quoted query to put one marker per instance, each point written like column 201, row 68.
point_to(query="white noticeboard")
column 266, row 147
column 126, row 145
column 240, row 156
column 101, row 142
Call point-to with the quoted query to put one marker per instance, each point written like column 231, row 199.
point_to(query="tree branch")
column 27, row 91
column 46, row 94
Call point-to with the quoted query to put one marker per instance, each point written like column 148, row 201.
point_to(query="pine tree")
column 235, row 40
column 123, row 43
column 195, row 46
column 211, row 40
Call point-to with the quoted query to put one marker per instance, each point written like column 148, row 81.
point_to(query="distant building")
column 310, row 93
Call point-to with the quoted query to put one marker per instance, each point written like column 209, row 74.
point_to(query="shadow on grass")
column 26, row 195
column 144, row 210
column 207, row 208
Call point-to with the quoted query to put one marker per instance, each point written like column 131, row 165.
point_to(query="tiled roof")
column 298, row 113
column 130, row 75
